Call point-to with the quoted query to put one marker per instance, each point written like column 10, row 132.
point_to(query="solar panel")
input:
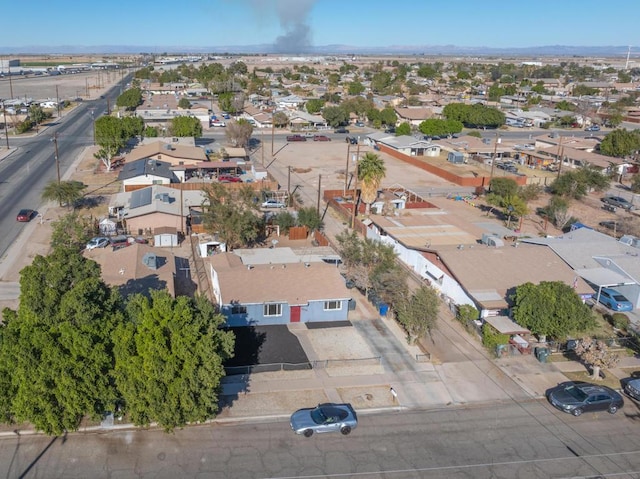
column 140, row 197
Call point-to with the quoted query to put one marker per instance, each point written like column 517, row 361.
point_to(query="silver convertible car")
column 324, row 418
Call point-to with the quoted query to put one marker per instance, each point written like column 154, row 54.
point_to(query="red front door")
column 295, row 314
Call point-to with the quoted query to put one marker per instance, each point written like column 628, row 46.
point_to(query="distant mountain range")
column 427, row 50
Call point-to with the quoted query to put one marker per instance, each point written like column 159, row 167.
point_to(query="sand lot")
column 88, row 85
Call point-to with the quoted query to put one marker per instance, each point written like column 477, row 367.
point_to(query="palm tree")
column 371, row 171
column 64, row 192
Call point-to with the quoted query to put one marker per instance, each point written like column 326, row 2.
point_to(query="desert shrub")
column 466, row 313
column 492, row 338
column 620, row 321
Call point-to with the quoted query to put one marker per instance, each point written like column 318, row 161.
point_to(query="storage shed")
column 455, row 157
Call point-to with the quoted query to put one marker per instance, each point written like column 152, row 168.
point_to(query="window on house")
column 273, row 309
column 332, row 305
column 238, row 309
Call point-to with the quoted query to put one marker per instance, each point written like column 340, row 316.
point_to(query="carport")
column 607, row 278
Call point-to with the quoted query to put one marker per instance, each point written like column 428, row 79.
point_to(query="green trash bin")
column 542, row 354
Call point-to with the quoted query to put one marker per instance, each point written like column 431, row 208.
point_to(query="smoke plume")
column 293, row 17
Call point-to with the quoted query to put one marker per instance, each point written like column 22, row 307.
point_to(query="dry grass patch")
column 610, row 380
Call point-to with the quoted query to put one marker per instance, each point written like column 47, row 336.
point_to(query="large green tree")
column 185, row 126
column 232, row 214
column 56, row 349
column 314, row 105
column 551, row 308
column 110, row 137
column 476, row 115
column 169, row 359
column 335, row 115
column 130, row 99
column 366, row 261
column 418, row 313
column 620, row 143
column 438, row 127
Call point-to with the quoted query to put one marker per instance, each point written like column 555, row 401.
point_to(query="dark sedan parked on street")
column 324, row 418
column 576, row 397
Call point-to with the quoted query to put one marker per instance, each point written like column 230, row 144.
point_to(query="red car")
column 24, row 216
column 321, row 138
column 229, row 179
column 296, row 138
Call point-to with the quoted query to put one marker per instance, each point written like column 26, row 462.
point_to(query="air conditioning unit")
column 491, row 239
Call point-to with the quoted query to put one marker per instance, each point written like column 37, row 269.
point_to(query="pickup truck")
column 296, row 138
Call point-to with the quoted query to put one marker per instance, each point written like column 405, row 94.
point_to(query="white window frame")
column 267, row 306
column 337, row 303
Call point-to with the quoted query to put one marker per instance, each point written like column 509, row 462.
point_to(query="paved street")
column 504, row 439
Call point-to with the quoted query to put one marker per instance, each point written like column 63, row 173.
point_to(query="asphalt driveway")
column 267, row 347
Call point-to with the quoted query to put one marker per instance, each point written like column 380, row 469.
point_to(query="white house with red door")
column 279, row 292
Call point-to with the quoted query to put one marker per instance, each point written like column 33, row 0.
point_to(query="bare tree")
column 595, row 353
column 239, row 132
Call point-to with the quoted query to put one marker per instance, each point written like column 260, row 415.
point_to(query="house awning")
column 604, row 277
column 505, row 325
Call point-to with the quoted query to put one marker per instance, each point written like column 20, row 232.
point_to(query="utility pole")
column 493, row 159
column 6, row 127
column 57, row 102
column 355, row 197
column 346, row 171
column 273, row 126
column 10, row 81
column 319, row 189
column 560, row 156
column 288, row 185
column 86, row 87
column 262, row 144
column 55, row 146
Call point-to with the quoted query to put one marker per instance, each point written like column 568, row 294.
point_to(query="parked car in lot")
column 25, row 215
column 510, row 167
column 341, row 130
column 324, row 418
column 273, row 204
column 120, row 241
column 614, row 300
column 229, row 179
column 321, row 138
column 618, row 202
column 578, row 397
column 632, row 388
column 98, row 242
column 296, row 138
column 359, row 124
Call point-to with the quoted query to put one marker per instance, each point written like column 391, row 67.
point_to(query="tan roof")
column 125, row 265
column 293, row 283
column 414, row 113
column 488, row 273
column 427, row 228
column 158, row 150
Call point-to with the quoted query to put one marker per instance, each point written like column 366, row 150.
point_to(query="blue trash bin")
column 383, row 308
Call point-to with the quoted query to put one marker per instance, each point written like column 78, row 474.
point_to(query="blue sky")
column 362, row 23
